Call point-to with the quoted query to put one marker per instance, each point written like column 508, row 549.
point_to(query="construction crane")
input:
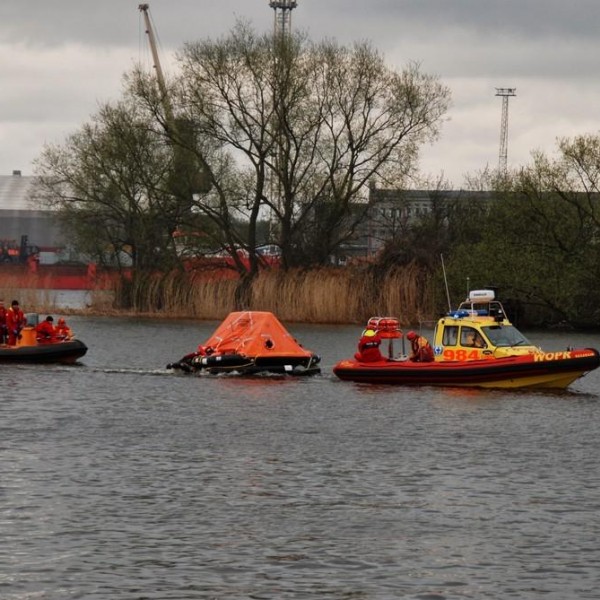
column 188, row 177
column 160, row 78
column 505, row 94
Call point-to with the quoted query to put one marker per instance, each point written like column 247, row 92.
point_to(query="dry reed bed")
column 326, row 295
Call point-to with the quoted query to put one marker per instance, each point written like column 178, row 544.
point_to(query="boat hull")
column 67, row 352
column 245, row 365
column 555, row 370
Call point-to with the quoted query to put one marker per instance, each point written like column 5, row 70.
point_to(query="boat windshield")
column 505, row 335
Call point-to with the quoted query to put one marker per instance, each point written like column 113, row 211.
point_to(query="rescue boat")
column 249, row 343
column 29, row 349
column 474, row 346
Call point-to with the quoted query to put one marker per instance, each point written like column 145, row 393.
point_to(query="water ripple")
column 120, row 486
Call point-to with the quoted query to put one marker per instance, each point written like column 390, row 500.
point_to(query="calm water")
column 121, row 480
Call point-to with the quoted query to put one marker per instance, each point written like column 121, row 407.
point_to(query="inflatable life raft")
column 249, row 343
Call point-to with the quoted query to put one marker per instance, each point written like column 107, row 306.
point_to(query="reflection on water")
column 122, row 480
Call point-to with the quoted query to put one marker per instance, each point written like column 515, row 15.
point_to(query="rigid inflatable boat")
column 248, row 343
column 31, row 350
column 500, row 358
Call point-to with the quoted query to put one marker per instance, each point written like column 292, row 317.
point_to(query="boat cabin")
column 478, row 329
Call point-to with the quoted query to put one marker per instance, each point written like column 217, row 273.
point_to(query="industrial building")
column 24, row 226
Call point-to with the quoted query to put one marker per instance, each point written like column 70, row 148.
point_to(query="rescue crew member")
column 368, row 347
column 63, row 331
column 421, row 350
column 45, row 331
column 474, row 340
column 3, row 330
column 15, row 321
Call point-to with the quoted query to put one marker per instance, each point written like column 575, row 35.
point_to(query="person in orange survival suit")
column 63, row 331
column 368, row 347
column 421, row 350
column 45, row 331
column 15, row 321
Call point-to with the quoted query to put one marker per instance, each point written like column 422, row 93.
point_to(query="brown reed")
column 323, row 295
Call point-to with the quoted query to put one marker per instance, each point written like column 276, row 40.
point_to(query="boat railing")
column 480, row 309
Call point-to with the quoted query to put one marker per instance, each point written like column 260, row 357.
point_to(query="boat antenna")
column 446, row 283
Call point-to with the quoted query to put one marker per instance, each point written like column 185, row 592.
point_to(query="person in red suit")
column 3, row 330
column 15, row 321
column 421, row 348
column 63, row 331
column 45, row 331
column 368, row 347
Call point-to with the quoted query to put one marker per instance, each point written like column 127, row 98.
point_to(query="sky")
column 61, row 59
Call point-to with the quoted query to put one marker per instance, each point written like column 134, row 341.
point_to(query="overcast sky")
column 60, row 59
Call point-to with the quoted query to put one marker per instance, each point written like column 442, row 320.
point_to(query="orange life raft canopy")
column 255, row 334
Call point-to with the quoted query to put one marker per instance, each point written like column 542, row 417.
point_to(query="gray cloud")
column 60, row 58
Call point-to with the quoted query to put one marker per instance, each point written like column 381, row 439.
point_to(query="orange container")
column 28, row 336
column 387, row 327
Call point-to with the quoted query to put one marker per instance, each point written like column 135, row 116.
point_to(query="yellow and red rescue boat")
column 474, row 346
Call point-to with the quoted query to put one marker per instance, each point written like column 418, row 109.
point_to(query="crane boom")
column 160, row 78
column 189, row 174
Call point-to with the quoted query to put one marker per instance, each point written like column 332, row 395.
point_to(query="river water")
column 120, row 480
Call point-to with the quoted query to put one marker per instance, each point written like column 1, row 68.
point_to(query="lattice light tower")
column 283, row 28
column 505, row 93
column 283, row 15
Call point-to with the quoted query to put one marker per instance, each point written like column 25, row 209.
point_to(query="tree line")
column 534, row 236
column 261, row 140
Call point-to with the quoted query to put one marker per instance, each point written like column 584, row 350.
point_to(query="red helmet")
column 411, row 335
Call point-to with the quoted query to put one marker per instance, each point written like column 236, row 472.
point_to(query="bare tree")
column 255, row 129
column 309, row 126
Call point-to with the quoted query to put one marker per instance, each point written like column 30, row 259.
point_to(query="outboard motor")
column 33, row 319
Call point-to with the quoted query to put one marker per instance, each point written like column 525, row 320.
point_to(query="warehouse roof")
column 15, row 191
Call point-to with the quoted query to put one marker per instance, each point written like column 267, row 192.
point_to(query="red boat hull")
column 543, row 370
